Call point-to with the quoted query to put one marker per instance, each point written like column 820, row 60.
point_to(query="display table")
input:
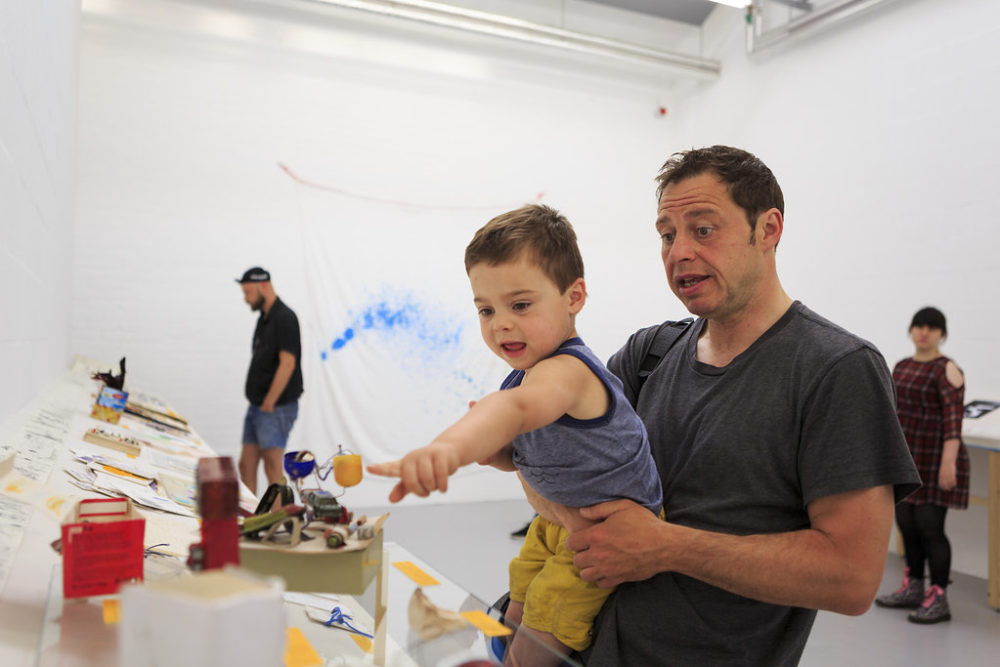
column 74, row 633
column 984, row 433
column 39, row 627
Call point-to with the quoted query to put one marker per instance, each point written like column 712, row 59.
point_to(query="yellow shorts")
column 556, row 600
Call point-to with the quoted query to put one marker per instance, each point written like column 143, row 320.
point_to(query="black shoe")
column 521, row 533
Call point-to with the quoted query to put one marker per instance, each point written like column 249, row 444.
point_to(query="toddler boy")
column 560, row 420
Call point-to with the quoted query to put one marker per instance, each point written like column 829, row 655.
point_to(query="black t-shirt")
column 275, row 332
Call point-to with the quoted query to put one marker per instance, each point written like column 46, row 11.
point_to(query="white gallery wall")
column 881, row 133
column 38, row 96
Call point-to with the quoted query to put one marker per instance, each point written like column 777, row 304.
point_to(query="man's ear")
column 577, row 293
column 770, row 225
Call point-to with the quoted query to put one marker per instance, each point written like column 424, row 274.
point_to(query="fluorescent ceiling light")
column 740, row 4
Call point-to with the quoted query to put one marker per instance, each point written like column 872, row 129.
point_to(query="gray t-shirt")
column 807, row 411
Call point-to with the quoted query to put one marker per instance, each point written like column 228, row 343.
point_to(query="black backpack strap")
column 664, row 338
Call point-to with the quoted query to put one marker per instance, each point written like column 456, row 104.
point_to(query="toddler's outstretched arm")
column 552, row 388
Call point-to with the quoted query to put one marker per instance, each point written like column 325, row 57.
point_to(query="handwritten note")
column 14, row 516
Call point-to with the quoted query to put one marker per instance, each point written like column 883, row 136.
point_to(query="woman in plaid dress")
column 930, row 390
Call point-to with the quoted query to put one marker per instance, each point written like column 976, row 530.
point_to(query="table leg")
column 381, row 604
column 993, row 586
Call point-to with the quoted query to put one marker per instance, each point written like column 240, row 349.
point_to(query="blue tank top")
column 581, row 462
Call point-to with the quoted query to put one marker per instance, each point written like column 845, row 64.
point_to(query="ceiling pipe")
column 795, row 4
column 818, row 18
column 496, row 25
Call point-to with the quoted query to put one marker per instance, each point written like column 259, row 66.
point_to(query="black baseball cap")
column 255, row 275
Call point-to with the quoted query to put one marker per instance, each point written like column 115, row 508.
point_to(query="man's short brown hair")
column 750, row 182
column 539, row 230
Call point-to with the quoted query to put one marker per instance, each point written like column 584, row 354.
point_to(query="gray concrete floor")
column 471, row 544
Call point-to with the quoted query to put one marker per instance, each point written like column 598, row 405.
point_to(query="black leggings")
column 924, row 540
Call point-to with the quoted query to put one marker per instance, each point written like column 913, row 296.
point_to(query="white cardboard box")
column 206, row 619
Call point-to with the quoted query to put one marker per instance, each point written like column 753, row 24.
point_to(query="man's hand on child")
column 619, row 547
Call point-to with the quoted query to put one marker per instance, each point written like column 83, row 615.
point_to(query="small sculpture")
column 113, row 381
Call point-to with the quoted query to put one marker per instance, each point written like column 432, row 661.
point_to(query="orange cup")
column 347, row 469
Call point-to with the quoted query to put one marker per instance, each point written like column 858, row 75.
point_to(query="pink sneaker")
column 933, row 609
column 908, row 596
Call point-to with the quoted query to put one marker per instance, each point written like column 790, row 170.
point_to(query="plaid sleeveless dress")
column 930, row 411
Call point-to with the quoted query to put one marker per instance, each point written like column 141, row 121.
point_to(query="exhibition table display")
column 121, row 530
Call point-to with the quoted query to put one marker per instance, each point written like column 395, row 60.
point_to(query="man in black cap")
column 274, row 381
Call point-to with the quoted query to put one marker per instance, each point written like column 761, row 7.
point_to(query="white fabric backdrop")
column 391, row 344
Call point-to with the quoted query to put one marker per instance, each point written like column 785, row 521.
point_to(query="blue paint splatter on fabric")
column 418, row 342
column 342, row 341
column 401, row 315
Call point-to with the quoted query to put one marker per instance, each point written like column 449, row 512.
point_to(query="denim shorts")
column 269, row 430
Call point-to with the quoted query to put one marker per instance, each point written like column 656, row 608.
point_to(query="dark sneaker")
column 522, row 532
column 909, row 596
column 933, row 609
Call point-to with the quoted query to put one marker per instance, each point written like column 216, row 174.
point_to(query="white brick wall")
column 38, row 88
